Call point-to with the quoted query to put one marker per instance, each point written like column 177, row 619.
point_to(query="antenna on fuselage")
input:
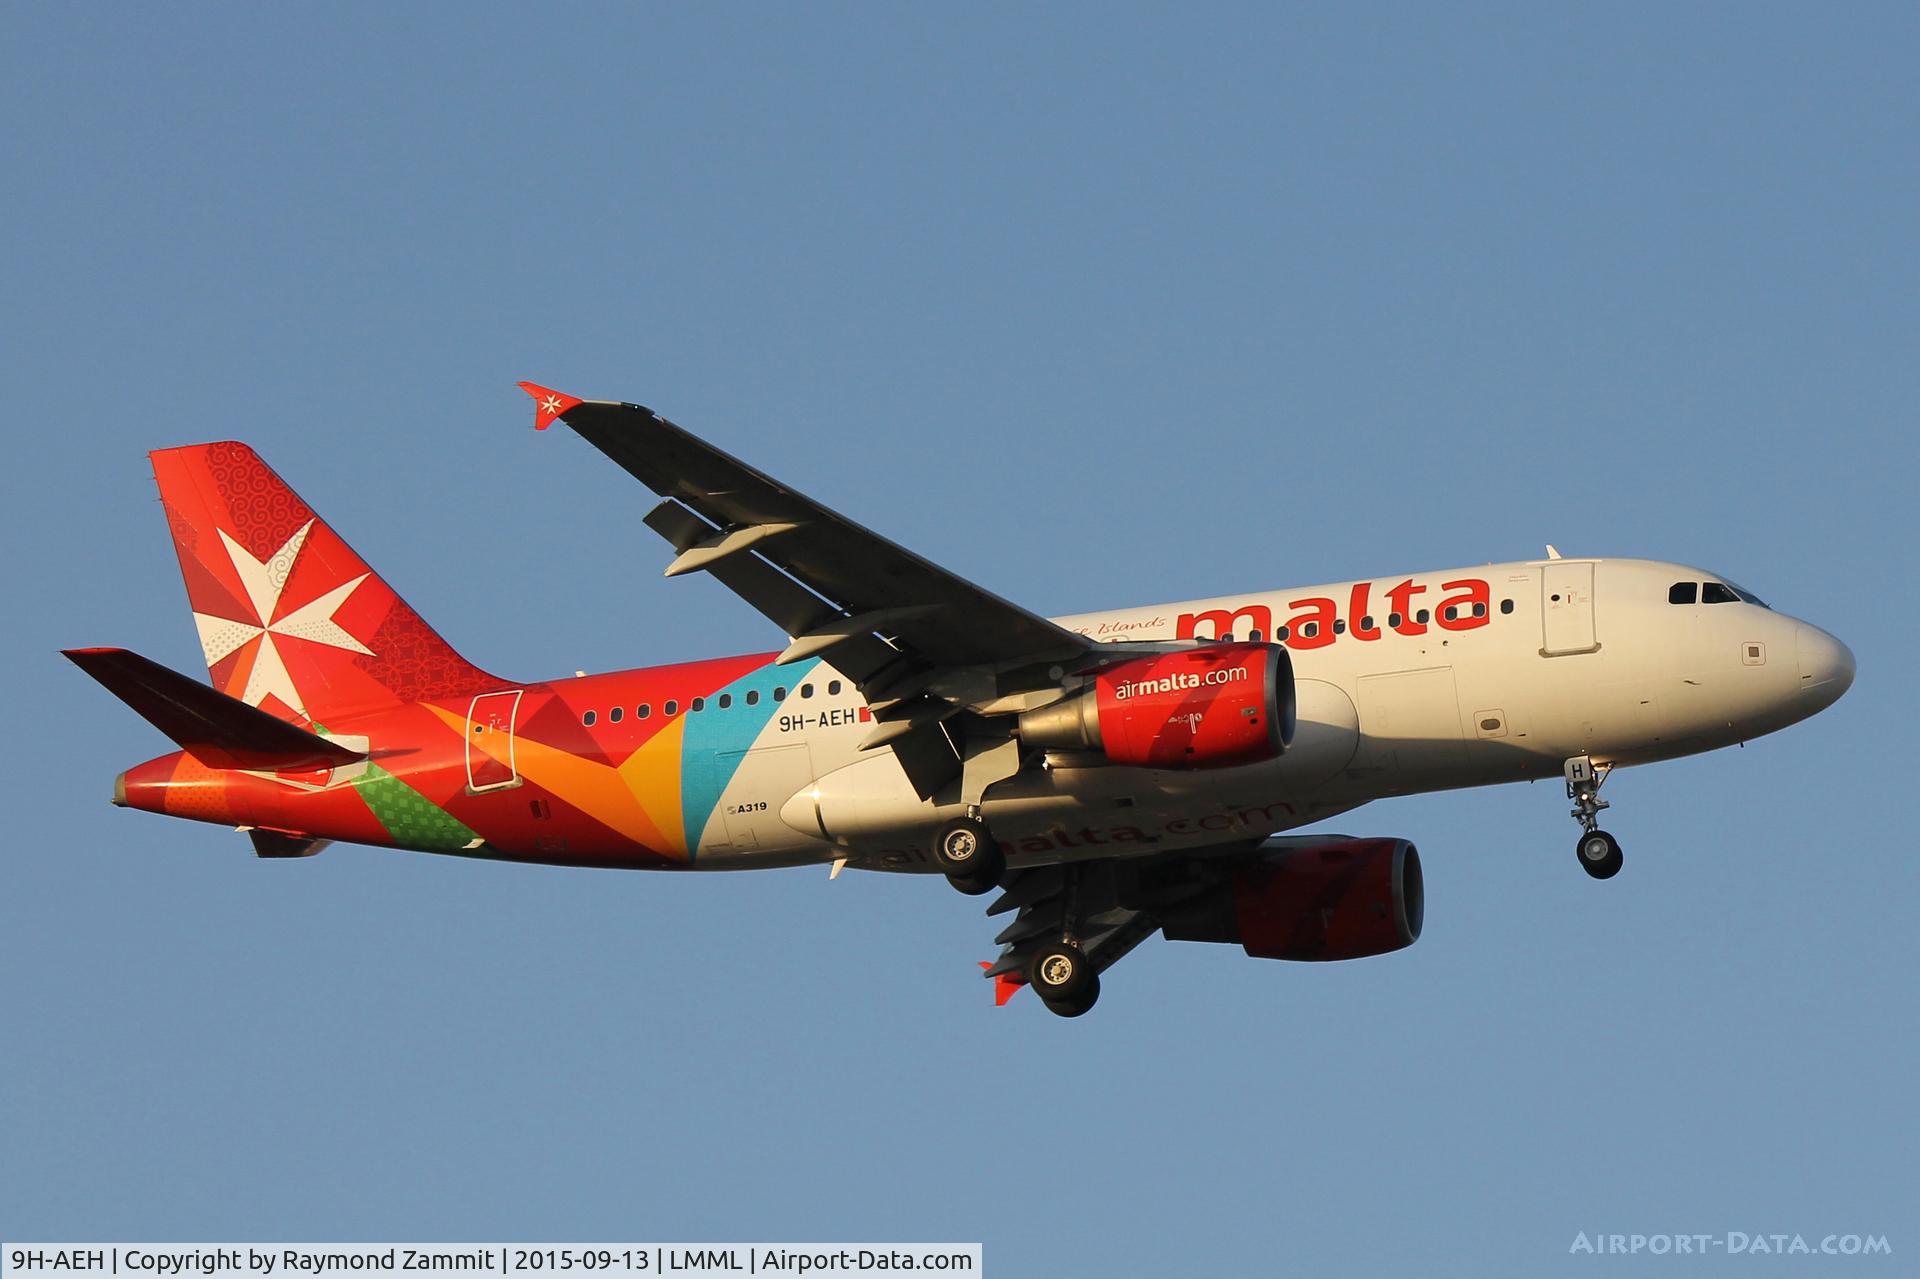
column 1552, row 553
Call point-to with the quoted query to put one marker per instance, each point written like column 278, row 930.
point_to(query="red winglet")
column 1005, row 986
column 547, row 404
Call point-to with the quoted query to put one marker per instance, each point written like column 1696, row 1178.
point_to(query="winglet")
column 1005, row 986
column 547, row 404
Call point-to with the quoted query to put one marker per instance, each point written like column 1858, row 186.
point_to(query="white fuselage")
column 1398, row 692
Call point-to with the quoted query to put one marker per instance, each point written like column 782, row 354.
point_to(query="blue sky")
column 1096, row 305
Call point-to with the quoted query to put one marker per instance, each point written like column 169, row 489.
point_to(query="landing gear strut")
column 969, row 855
column 1599, row 852
column 1060, row 972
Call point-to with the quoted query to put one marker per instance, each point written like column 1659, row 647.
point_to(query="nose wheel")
column 1599, row 852
column 969, row 856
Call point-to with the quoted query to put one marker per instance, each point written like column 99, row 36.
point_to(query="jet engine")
column 1196, row 708
column 1339, row 899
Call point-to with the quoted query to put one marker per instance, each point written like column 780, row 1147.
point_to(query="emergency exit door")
column 1566, row 608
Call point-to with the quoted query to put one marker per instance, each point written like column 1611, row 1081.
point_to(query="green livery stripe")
column 413, row 820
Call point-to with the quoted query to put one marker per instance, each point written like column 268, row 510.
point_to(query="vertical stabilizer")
column 290, row 619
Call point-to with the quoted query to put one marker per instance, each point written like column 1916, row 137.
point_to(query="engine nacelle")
column 1342, row 899
column 1197, row 708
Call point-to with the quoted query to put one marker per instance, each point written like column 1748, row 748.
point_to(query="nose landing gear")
column 1599, row 852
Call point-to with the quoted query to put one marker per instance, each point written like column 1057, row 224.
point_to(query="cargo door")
column 1410, row 726
column 763, row 780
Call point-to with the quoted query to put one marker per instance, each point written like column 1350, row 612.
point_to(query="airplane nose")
column 1826, row 665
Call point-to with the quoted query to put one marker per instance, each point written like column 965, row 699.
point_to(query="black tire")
column 1599, row 854
column 973, row 887
column 967, row 854
column 1079, row 1004
column 1060, row 974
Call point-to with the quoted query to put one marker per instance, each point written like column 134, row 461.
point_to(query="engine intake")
column 1198, row 708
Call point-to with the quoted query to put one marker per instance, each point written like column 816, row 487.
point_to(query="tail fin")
column 290, row 619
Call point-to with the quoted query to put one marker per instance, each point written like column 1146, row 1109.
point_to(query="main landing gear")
column 1063, row 977
column 1599, row 852
column 969, row 855
column 1060, row 972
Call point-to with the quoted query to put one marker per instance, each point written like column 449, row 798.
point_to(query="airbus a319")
column 1110, row 775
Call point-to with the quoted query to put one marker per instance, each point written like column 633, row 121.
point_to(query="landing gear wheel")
column 1060, row 974
column 969, row 856
column 1599, row 854
column 1078, row 1004
column 973, row 887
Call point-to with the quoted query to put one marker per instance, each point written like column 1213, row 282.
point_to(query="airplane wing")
column 922, row 644
column 1115, row 904
column 1107, row 926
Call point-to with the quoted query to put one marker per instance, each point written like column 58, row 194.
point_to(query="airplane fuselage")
column 1405, row 684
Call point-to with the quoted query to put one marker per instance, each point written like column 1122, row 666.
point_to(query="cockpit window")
column 1683, row 592
column 1746, row 596
column 1718, row 593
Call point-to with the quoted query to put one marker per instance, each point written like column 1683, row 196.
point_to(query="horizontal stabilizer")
column 219, row 731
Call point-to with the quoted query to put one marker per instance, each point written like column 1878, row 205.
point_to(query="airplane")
column 1111, row 775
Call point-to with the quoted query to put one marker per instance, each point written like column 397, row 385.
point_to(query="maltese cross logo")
column 264, row 581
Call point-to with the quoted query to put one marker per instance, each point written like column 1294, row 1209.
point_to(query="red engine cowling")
column 1197, row 708
column 1342, row 899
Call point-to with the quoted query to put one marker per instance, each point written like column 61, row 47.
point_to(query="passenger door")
column 490, row 762
column 1566, row 609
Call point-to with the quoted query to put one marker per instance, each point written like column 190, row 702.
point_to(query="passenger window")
column 699, row 704
column 1422, row 616
column 1255, row 637
column 643, row 710
column 1451, row 613
column 1282, row 633
column 1683, row 592
column 780, row 694
column 1309, row 629
column 726, row 700
column 587, row 719
column 615, row 714
column 753, row 697
column 1339, row 626
column 1393, row 620
column 671, row 708
column 1506, row 606
column 806, row 690
column 1715, row 593
column 833, row 688
column 1479, row 610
